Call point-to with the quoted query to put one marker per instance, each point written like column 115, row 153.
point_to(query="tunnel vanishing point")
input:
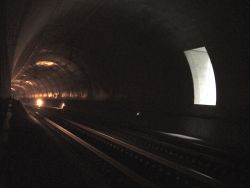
column 129, row 93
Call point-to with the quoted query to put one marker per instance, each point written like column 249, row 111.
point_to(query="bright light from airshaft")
column 203, row 76
column 39, row 103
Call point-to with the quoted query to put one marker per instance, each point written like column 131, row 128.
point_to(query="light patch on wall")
column 181, row 136
column 29, row 82
column 46, row 63
column 203, row 76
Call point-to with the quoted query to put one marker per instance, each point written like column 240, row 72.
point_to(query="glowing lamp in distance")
column 39, row 103
column 62, row 105
column 46, row 63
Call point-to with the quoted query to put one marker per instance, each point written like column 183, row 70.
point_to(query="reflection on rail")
column 144, row 166
column 102, row 155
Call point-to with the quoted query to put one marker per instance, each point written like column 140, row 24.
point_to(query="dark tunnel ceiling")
column 125, row 49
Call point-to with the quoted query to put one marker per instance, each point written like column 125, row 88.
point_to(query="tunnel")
column 129, row 93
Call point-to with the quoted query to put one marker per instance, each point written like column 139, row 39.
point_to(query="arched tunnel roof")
column 124, row 93
column 131, row 50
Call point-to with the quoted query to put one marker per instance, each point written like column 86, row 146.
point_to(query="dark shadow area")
column 34, row 156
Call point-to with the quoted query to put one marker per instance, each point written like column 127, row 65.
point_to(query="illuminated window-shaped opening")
column 203, row 76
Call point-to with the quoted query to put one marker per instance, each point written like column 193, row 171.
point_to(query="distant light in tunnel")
column 203, row 76
column 29, row 82
column 18, row 85
column 60, row 94
column 138, row 113
column 62, row 105
column 39, row 103
column 17, row 81
column 50, row 94
column 46, row 63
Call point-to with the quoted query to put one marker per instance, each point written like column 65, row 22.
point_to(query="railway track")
column 226, row 170
column 145, row 166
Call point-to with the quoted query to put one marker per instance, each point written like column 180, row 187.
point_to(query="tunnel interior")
column 158, row 88
column 124, row 51
column 130, row 53
column 119, row 50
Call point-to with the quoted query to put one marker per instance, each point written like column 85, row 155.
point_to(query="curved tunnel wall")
column 132, row 51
